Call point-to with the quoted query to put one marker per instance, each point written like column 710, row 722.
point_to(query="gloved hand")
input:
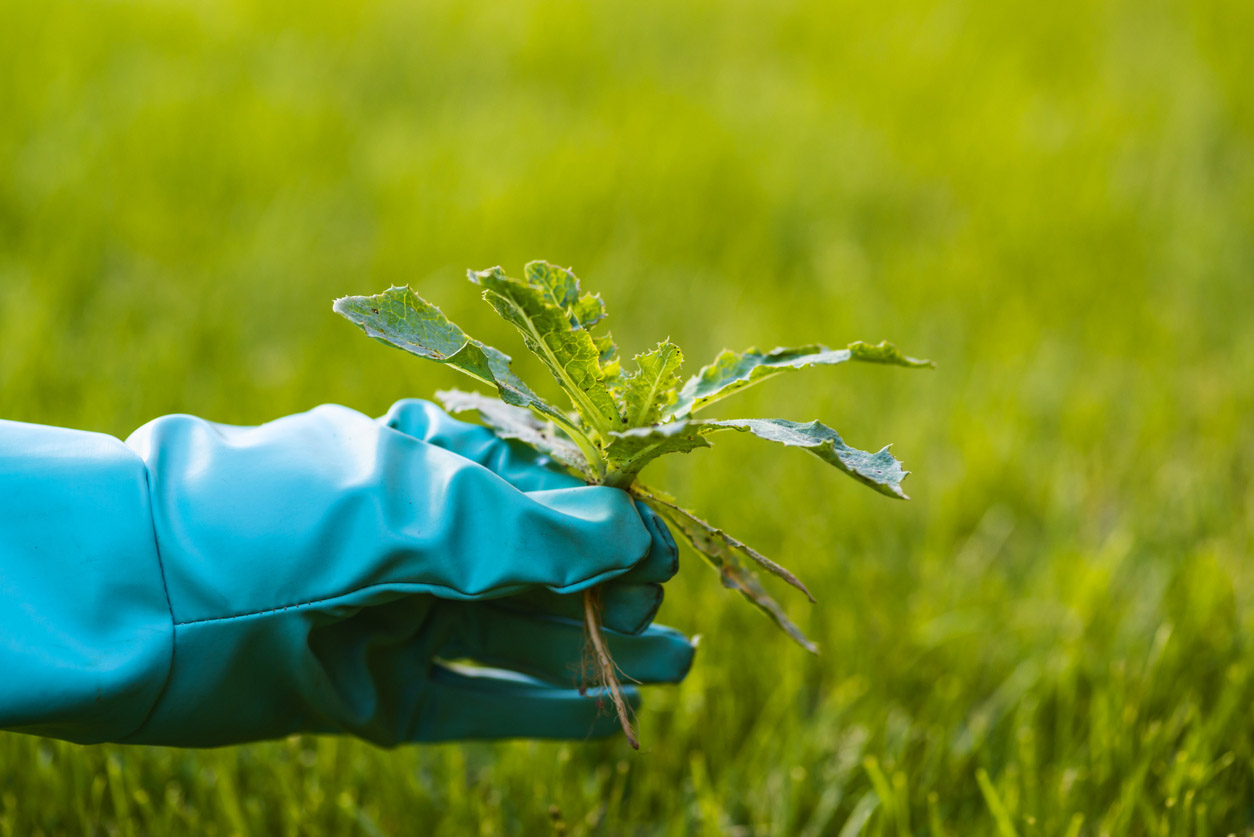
column 205, row 585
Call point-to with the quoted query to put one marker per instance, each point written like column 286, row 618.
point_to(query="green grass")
column 1054, row 201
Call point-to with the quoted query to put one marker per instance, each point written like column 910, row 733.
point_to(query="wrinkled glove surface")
column 203, row 584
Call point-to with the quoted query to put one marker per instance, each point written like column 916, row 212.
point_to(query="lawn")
column 1055, row 202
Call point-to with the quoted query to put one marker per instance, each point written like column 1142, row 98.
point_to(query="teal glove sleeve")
column 86, row 636
column 314, row 574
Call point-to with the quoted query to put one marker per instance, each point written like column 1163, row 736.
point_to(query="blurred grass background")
column 1054, row 201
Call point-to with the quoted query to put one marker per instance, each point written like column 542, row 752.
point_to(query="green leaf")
column 401, row 318
column 648, row 391
column 607, row 357
column 561, row 288
column 510, row 422
column 567, row 349
column 723, row 553
column 731, row 371
column 879, row 470
column 887, row 353
column 631, row 450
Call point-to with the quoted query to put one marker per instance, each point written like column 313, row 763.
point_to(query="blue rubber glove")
column 203, row 585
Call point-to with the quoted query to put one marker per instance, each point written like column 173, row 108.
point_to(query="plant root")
column 606, row 671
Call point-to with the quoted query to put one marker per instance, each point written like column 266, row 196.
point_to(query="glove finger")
column 460, row 704
column 507, row 544
column 630, row 602
column 662, row 562
column 626, row 608
column 554, row 649
column 517, row 464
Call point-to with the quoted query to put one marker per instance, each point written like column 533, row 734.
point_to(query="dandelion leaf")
column 733, row 371
column 555, row 334
column 723, row 553
column 881, row 470
column 652, row 388
column 401, row 318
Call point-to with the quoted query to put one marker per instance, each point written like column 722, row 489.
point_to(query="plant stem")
column 603, row 663
column 606, row 671
column 589, row 450
column 616, row 479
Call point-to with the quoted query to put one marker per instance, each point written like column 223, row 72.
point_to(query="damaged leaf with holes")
column 614, row 421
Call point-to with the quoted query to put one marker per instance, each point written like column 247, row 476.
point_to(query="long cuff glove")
column 205, row 585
